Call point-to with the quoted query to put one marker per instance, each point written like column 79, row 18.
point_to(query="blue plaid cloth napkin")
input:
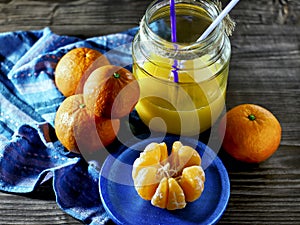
column 29, row 100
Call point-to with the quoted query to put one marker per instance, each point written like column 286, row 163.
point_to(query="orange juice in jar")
column 191, row 103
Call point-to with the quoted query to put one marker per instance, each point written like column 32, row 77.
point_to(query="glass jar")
column 182, row 84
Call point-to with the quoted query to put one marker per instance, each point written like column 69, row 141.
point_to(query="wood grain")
column 79, row 18
column 267, row 193
column 264, row 69
column 36, row 208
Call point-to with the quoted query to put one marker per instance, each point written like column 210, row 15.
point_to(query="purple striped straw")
column 173, row 36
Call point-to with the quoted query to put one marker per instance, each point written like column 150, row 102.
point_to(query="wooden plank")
column 84, row 18
column 36, row 208
column 267, row 193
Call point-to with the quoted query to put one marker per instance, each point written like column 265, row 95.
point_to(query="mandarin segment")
column 168, row 181
column 147, row 181
column 176, row 197
column 176, row 146
column 163, row 152
column 192, row 182
column 151, row 154
column 183, row 156
column 174, row 153
column 188, row 157
column 160, row 198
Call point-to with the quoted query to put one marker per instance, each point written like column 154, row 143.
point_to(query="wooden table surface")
column 264, row 70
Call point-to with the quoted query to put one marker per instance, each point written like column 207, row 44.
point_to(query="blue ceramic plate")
column 125, row 206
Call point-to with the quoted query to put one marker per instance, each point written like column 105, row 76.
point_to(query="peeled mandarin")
column 169, row 182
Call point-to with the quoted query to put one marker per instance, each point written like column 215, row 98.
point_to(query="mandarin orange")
column 111, row 91
column 74, row 67
column 252, row 133
column 79, row 130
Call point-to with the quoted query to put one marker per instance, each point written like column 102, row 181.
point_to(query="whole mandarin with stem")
column 252, row 133
column 78, row 129
column 111, row 91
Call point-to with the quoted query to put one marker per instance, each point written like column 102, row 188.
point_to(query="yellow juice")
column 193, row 103
column 186, row 109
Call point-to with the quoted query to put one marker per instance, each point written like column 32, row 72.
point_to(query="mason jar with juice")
column 182, row 83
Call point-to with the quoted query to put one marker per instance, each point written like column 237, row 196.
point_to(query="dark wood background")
column 264, row 70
